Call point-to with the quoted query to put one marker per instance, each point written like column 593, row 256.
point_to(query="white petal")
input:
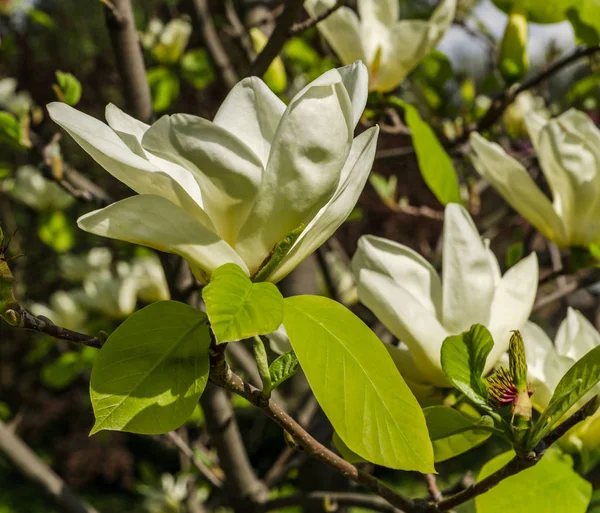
column 129, row 129
column 252, row 112
column 155, row 222
column 468, row 278
column 404, row 316
column 334, row 213
column 512, row 304
column 539, row 353
column 402, row 49
column 227, row 171
column 513, row 183
column 534, row 123
column 144, row 177
column 571, row 169
column 576, row 336
column 384, row 12
column 405, row 363
column 442, row 17
column 308, row 154
column 341, row 30
column 404, row 266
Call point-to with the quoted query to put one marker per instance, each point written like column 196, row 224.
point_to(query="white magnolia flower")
column 231, row 189
column 568, row 149
column 406, row 293
column 390, row 47
column 64, row 309
column 35, row 191
column 16, row 102
column 76, row 268
column 150, row 277
column 112, row 295
column 547, row 363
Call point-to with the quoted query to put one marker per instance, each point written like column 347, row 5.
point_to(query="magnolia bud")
column 517, row 362
column 513, row 59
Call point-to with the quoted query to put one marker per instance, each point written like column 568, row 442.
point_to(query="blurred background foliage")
column 60, row 50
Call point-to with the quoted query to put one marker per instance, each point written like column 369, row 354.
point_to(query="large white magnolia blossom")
column 568, row 149
column 230, row 190
column 390, row 47
column 547, row 363
column 406, row 293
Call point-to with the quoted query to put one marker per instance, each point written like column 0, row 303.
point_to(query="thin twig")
column 316, row 500
column 296, row 28
column 240, row 31
column 204, row 469
column 21, row 318
column 213, row 44
column 432, row 487
column 277, row 39
column 32, row 467
column 501, row 102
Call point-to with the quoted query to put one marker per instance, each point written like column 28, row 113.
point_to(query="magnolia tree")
column 422, row 361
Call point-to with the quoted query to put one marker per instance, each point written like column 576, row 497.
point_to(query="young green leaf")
column 463, row 361
column 152, row 370
column 434, row 162
column 452, row 433
column 282, row 368
column 357, row 384
column 551, row 486
column 238, row 308
column 574, row 385
column 68, row 89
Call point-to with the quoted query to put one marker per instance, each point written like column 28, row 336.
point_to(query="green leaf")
column 282, row 368
column 10, row 129
column 574, row 385
column 463, row 361
column 152, row 370
column 357, row 384
column 538, row 11
column 452, row 433
column 345, row 453
column 551, row 486
column 584, row 88
column 385, row 188
column 238, row 308
column 436, row 69
column 514, row 253
column 60, row 373
column 434, row 163
column 68, row 89
column 41, row 18
column 55, row 230
column 585, row 19
column 164, row 87
column 196, row 68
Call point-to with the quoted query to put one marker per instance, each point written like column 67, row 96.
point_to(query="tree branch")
column 296, row 28
column 315, row 500
column 208, row 474
column 130, row 61
column 21, row 318
column 244, row 488
column 501, row 102
column 277, row 39
column 518, row 463
column 213, row 44
column 31, row 466
column 222, row 376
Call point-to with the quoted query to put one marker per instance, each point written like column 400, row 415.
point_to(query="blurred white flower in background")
column 421, row 309
column 150, row 279
column 568, row 150
column 31, row 188
column 64, row 309
column 390, row 47
column 75, row 268
column 231, row 190
column 16, row 102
